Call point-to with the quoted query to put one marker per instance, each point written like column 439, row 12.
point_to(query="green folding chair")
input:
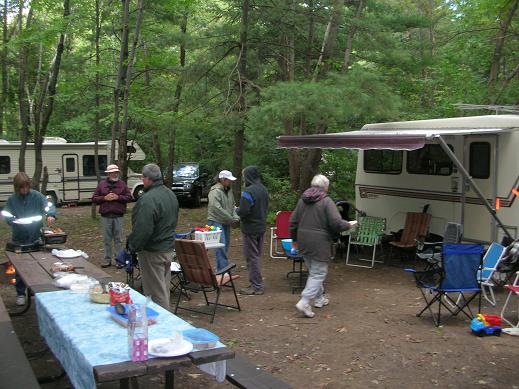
column 368, row 233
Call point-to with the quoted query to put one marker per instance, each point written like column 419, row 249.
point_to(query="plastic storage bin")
column 208, row 237
column 201, row 338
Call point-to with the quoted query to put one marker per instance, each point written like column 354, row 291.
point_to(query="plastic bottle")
column 138, row 332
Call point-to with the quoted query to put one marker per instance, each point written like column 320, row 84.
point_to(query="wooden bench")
column 244, row 374
column 16, row 371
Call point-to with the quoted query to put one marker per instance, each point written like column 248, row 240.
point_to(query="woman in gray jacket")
column 313, row 225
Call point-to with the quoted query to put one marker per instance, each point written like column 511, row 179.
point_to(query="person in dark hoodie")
column 313, row 224
column 252, row 211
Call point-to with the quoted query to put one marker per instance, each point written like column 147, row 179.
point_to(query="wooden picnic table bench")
column 15, row 371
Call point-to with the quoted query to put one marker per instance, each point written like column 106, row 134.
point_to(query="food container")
column 119, row 293
column 53, row 236
column 208, row 237
column 62, row 267
column 201, row 338
column 98, row 295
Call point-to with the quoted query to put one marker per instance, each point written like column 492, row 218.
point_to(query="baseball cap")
column 226, row 174
column 112, row 169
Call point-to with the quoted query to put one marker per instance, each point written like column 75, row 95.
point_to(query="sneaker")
column 119, row 265
column 20, row 300
column 250, row 291
column 105, row 265
column 322, row 301
column 305, row 309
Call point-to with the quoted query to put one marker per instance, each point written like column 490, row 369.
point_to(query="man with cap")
column 111, row 195
column 221, row 213
column 154, row 219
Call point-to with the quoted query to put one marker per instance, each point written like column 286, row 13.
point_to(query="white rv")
column 465, row 169
column 72, row 176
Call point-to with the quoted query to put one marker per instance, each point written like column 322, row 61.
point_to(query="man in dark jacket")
column 154, row 219
column 253, row 209
column 313, row 225
column 112, row 195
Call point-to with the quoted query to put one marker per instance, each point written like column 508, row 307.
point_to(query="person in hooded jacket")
column 313, row 225
column 221, row 213
column 252, row 211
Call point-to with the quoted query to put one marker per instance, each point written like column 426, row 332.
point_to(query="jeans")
column 317, row 271
column 252, row 251
column 225, row 237
column 112, row 231
column 20, row 286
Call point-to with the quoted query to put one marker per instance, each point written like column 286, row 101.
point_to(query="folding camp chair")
column 486, row 274
column 279, row 232
column 513, row 290
column 431, row 252
column 368, row 233
column 458, row 274
column 198, row 275
column 416, row 228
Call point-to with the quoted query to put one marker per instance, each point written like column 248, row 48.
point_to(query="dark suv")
column 190, row 182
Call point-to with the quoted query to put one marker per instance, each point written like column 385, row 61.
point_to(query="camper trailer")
column 461, row 170
column 70, row 166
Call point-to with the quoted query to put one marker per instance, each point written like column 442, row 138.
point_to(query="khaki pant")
column 156, row 275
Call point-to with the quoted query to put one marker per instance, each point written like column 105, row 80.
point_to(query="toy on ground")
column 484, row 325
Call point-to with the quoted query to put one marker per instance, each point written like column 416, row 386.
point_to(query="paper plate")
column 511, row 331
column 183, row 348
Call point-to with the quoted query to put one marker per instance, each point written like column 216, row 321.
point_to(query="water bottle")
column 138, row 332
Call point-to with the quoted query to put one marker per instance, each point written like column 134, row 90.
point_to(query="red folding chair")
column 279, row 232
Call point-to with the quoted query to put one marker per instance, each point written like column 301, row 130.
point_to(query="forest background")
column 216, row 81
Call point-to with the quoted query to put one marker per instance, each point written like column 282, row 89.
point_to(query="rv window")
column 431, row 160
column 479, row 166
column 383, row 161
column 70, row 165
column 5, row 165
column 88, row 165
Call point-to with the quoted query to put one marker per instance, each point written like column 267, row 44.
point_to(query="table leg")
column 170, row 379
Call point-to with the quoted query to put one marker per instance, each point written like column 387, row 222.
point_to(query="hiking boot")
column 250, row 291
column 105, row 265
column 322, row 301
column 20, row 300
column 119, row 265
column 305, row 308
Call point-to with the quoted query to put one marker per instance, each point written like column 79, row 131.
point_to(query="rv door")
column 70, row 177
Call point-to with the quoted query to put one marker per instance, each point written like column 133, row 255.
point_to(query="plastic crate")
column 208, row 237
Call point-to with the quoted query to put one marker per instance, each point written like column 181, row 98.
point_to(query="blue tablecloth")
column 81, row 334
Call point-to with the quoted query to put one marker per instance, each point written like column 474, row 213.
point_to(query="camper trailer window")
column 89, row 167
column 479, row 166
column 70, row 165
column 383, row 161
column 431, row 160
column 5, row 165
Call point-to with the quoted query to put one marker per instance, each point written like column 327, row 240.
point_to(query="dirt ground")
column 368, row 337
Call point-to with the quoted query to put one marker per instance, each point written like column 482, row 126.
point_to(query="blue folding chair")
column 490, row 261
column 458, row 275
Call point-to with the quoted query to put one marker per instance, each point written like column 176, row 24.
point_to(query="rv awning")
column 410, row 135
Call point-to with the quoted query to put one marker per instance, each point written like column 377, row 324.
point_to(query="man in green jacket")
column 154, row 219
column 221, row 213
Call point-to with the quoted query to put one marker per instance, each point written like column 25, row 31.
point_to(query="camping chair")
column 513, row 289
column 416, row 228
column 485, row 275
column 368, row 233
column 198, row 275
column 279, row 232
column 458, row 274
column 431, row 252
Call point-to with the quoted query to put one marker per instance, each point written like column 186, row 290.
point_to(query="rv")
column 70, row 166
column 461, row 170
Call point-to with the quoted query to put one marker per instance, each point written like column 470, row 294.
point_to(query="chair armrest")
column 226, row 269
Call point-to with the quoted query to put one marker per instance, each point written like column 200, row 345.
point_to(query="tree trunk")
column 504, row 25
column 121, row 75
column 22, row 101
column 3, row 100
column 97, row 119
column 310, row 40
column 349, row 37
column 239, row 135
column 123, row 137
column 176, row 105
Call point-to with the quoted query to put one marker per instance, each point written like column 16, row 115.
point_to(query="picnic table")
column 34, row 268
column 93, row 348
